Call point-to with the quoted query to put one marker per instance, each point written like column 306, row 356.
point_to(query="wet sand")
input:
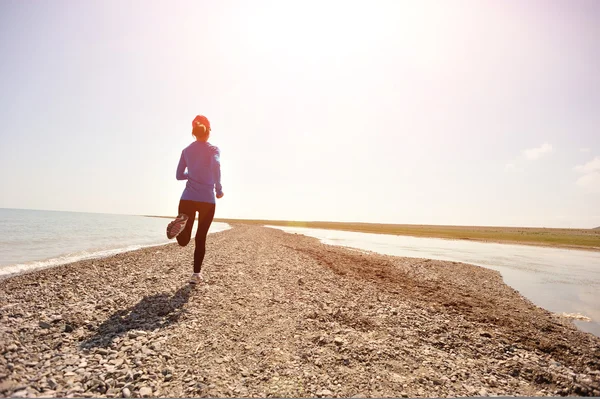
column 282, row 315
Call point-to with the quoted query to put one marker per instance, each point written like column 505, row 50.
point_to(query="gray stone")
column 7, row 385
column 145, row 392
column 147, row 351
column 325, row 393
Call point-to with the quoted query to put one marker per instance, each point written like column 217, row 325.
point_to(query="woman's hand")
column 220, row 195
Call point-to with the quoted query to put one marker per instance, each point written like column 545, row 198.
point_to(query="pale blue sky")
column 453, row 112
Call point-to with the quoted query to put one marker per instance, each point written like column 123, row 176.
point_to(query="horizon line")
column 224, row 220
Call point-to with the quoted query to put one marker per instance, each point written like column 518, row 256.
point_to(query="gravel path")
column 282, row 315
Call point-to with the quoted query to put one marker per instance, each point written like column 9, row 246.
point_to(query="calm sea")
column 31, row 239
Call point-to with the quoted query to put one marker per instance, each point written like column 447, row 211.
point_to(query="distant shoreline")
column 580, row 239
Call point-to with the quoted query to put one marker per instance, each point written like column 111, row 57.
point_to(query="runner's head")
column 201, row 128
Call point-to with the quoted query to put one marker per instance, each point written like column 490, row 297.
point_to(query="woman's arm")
column 181, row 172
column 216, row 168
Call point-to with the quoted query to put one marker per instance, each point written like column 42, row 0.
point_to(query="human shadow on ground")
column 152, row 312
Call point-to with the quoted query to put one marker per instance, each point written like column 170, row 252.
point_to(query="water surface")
column 31, row 239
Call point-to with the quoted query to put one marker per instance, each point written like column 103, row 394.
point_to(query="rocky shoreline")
column 282, row 315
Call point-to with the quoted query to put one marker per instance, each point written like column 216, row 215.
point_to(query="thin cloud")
column 528, row 154
column 537, row 153
column 584, row 150
column 590, row 167
column 590, row 179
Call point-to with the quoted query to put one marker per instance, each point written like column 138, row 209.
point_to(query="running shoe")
column 196, row 279
column 176, row 226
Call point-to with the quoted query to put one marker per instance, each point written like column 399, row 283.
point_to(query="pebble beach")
column 282, row 315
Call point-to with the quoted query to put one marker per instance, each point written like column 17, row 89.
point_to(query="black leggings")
column 206, row 212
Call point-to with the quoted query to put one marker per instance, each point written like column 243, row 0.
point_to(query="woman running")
column 203, row 176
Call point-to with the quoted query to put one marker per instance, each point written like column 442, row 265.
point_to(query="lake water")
column 559, row 280
column 31, row 239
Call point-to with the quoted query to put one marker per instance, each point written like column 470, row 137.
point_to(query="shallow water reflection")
column 559, row 280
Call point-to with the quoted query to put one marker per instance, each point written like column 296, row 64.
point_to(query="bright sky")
column 431, row 112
